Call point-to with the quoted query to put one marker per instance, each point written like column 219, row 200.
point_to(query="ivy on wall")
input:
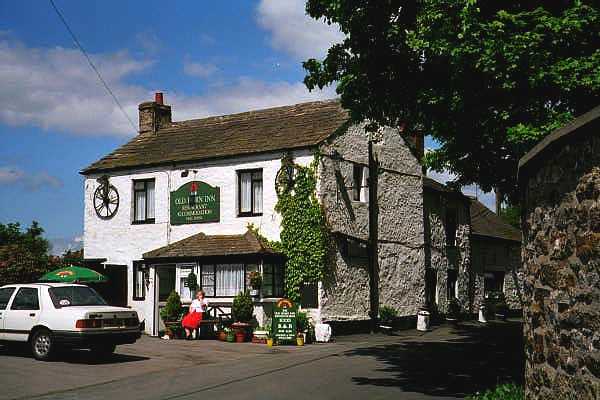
column 304, row 236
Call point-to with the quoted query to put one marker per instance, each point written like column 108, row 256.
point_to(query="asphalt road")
column 448, row 362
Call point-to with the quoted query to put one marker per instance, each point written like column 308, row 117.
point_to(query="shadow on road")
column 478, row 359
column 72, row 356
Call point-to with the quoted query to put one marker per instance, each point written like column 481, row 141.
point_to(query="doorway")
column 164, row 284
column 115, row 290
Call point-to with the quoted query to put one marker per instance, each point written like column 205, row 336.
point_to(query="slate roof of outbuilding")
column 281, row 128
column 202, row 245
column 485, row 222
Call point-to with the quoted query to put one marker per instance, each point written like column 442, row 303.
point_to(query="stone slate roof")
column 280, row 128
column 484, row 222
column 202, row 245
column 586, row 123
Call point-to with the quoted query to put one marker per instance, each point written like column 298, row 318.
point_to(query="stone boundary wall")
column 561, row 255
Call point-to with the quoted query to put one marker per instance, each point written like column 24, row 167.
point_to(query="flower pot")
column 222, row 336
column 300, row 340
column 240, row 337
column 270, row 342
column 230, row 337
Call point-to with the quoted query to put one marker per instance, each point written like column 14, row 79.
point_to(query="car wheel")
column 42, row 345
column 103, row 350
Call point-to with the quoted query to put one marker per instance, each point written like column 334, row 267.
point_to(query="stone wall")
column 441, row 257
column 345, row 292
column 561, row 256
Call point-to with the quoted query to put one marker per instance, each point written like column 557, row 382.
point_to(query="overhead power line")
column 89, row 60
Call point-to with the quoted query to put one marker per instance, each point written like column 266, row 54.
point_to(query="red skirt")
column 192, row 320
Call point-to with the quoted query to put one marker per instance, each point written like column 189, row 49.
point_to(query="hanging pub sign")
column 195, row 202
column 284, row 321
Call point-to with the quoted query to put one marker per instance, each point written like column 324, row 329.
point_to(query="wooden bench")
column 213, row 316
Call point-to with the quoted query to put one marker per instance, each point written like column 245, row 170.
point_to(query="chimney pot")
column 158, row 97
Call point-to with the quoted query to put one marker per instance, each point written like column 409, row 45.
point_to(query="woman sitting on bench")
column 193, row 318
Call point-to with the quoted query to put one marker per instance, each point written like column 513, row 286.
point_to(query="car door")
column 22, row 314
column 5, row 295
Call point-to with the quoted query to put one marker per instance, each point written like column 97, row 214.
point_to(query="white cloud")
column 149, row 41
column 58, row 246
column 487, row 198
column 30, row 181
column 199, row 70
column 295, row 32
column 54, row 89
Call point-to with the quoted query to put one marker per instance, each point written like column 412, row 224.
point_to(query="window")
column 230, row 279
column 143, row 201
column 139, row 286
column 5, row 297
column 26, row 299
column 360, row 185
column 272, row 280
column 182, row 276
column 207, row 280
column 65, row 296
column 452, row 287
column 250, row 193
column 309, row 295
column 450, row 227
column 493, row 281
column 355, row 250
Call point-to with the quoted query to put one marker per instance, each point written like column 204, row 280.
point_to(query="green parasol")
column 72, row 274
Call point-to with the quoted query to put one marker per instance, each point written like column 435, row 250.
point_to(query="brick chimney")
column 154, row 115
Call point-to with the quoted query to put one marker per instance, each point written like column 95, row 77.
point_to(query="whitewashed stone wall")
column 122, row 242
column 345, row 292
column 439, row 256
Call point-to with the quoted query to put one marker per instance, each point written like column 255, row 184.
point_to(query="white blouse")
column 199, row 306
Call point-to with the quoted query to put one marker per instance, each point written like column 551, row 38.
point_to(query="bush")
column 387, row 315
column 508, row 391
column 172, row 310
column 243, row 308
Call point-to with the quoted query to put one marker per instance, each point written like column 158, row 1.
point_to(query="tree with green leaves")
column 487, row 80
column 23, row 253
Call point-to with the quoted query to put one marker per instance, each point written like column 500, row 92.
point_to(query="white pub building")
column 180, row 196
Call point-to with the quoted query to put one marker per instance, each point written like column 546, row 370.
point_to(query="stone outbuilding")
column 560, row 185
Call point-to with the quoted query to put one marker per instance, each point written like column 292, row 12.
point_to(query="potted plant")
column 230, row 335
column 387, row 315
column 255, row 283
column 242, row 310
column 300, row 339
column 269, row 340
column 453, row 310
column 303, row 325
column 171, row 314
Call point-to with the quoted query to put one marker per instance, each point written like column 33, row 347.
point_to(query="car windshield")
column 66, row 296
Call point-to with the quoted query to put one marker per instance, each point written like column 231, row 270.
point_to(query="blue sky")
column 208, row 58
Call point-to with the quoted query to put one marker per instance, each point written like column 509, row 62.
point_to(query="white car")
column 51, row 316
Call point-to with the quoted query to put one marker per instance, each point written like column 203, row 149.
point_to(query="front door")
column 164, row 284
column 22, row 315
column 5, row 295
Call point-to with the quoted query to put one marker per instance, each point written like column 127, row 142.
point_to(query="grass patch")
column 508, row 391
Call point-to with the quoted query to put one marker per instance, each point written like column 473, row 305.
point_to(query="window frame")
column 214, row 266
column 10, row 296
column 273, row 280
column 37, row 292
column 250, row 213
column 358, row 176
column 138, row 267
column 146, row 220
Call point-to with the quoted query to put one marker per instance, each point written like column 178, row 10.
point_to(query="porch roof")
column 202, row 245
